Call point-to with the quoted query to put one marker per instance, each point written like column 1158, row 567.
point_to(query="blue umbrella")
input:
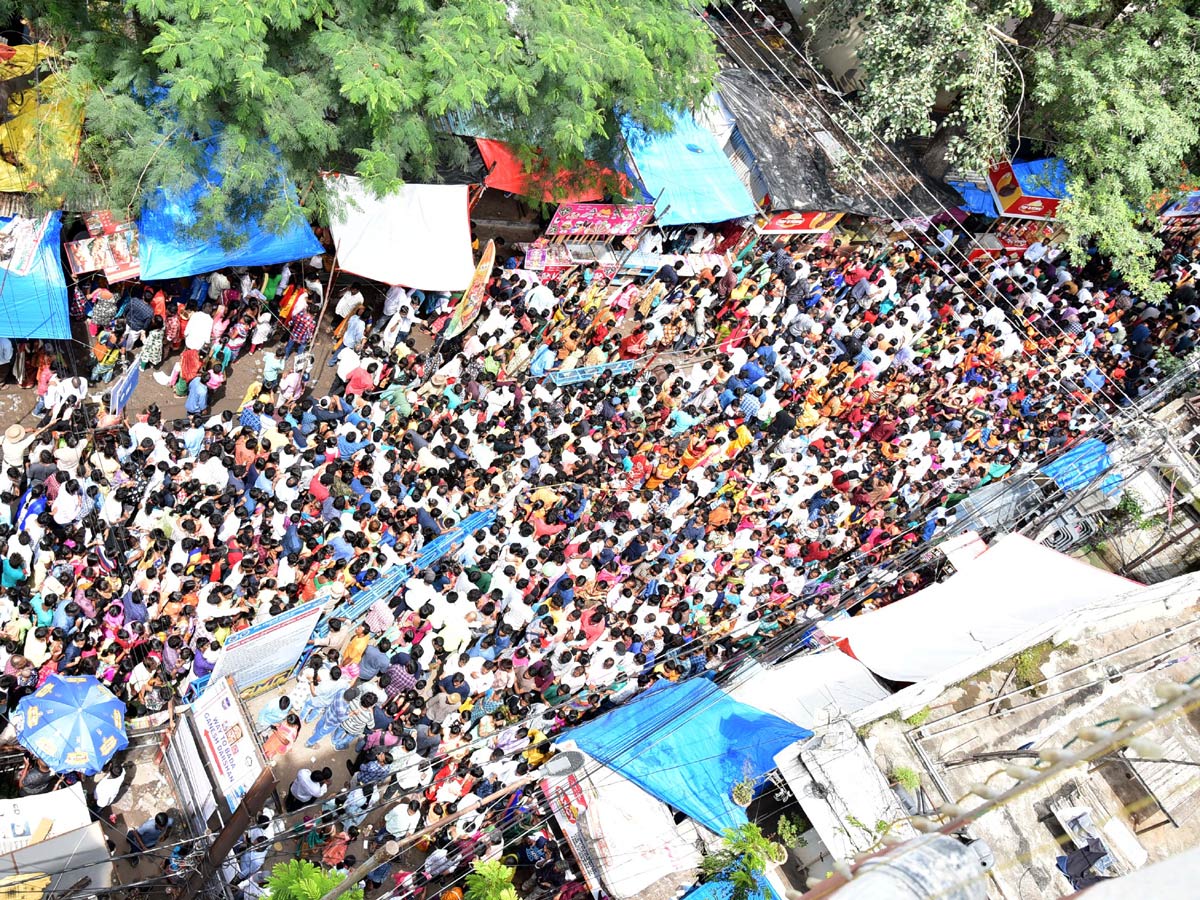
column 73, row 723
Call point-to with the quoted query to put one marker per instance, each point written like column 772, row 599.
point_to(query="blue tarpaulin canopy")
column 687, row 172
column 1042, row 177
column 1080, row 465
column 34, row 305
column 723, row 890
column 688, row 745
column 975, row 199
column 168, row 251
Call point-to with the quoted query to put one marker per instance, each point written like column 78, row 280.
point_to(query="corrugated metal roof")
column 15, row 205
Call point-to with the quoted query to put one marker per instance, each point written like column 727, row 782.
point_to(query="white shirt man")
column 349, row 302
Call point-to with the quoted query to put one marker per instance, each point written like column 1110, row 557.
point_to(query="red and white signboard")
column 799, row 223
column 1011, row 198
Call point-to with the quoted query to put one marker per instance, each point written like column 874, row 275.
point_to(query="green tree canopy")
column 299, row 879
column 742, row 857
column 490, row 880
column 353, row 86
column 1112, row 89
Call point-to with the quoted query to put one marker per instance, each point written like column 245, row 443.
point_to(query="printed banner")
column 600, row 218
column 183, row 762
column 1011, row 198
column 569, row 804
column 1187, row 205
column 587, row 373
column 20, row 239
column 392, row 580
column 799, row 223
column 20, row 817
column 554, row 256
column 472, row 299
column 112, row 249
column 261, row 657
column 227, row 740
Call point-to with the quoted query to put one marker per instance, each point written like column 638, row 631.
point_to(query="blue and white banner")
column 589, row 373
column 123, row 390
column 262, row 657
column 393, row 580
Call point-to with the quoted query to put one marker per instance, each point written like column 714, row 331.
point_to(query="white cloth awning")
column 809, row 690
column 1014, row 588
column 418, row 237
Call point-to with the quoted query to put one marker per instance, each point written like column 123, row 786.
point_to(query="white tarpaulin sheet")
column 419, row 237
column 634, row 836
column 22, row 819
column 809, row 690
column 631, row 838
column 1015, row 588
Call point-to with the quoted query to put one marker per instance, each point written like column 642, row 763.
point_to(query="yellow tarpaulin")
column 24, row 887
column 43, row 123
column 23, row 59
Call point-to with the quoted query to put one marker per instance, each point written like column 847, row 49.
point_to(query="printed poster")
column 227, row 741
column 111, row 248
column 20, row 240
column 600, row 218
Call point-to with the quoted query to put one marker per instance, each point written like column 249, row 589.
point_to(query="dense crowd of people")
column 803, row 410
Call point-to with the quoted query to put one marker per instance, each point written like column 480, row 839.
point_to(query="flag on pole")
column 472, row 299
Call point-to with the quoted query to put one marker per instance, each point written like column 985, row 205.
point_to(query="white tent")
column 419, row 237
column 1017, row 589
column 809, row 690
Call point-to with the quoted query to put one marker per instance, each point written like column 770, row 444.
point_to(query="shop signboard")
column 607, row 219
column 1011, row 198
column 799, row 222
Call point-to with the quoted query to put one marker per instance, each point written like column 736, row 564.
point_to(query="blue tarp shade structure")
column 687, row 173
column 167, row 251
column 1042, row 177
column 688, row 745
column 975, row 199
column 35, row 305
column 723, row 890
column 1080, row 465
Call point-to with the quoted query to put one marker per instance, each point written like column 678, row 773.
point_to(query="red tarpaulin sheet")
column 506, row 173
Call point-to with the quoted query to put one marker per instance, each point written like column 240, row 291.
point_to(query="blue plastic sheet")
column 975, row 199
column 35, row 305
column 167, row 251
column 723, row 890
column 1042, row 177
column 688, row 744
column 1079, row 465
column 688, row 173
